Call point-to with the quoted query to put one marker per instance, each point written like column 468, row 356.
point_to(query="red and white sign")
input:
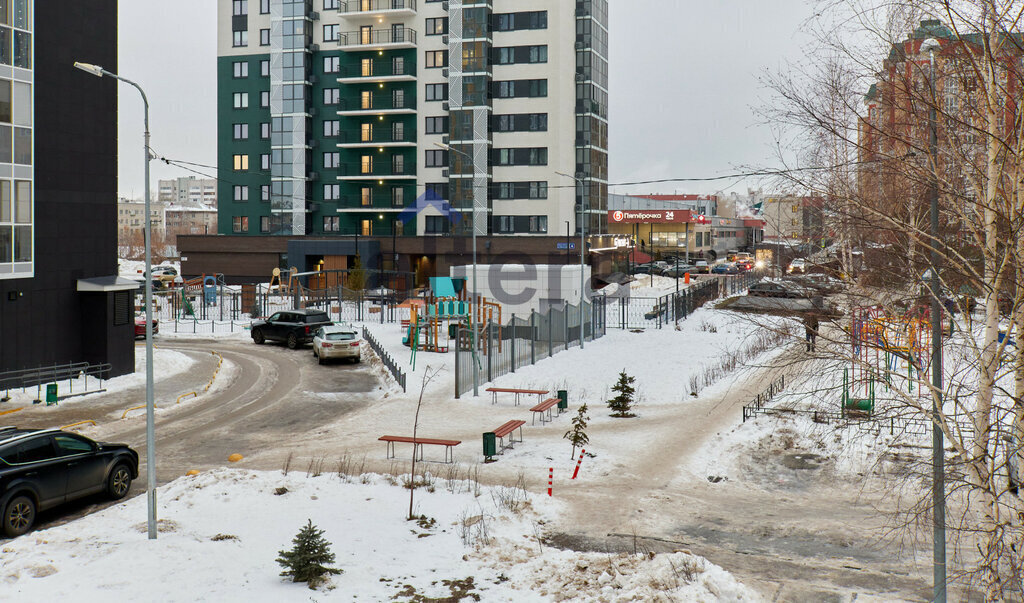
column 650, row 216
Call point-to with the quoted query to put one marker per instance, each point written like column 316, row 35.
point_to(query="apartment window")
column 398, row 164
column 365, row 99
column 538, row 224
column 240, row 131
column 521, row 88
column 265, row 68
column 365, row 132
column 240, row 69
column 264, row 37
column 524, row 156
column 241, row 162
column 398, row 99
column 330, row 4
column 240, row 38
column 332, row 128
column 397, row 196
column 366, row 164
column 264, row 7
column 521, row 122
column 241, row 100
column 365, row 196
column 240, row 224
column 437, row 125
column 332, row 192
column 241, row 193
column 437, row 26
column 332, row 160
column 521, row 190
column 505, row 224
column 265, row 130
column 523, row 20
column 436, row 158
column 332, row 223
column 437, row 92
column 437, row 58
column 538, row 190
column 435, row 224
column 264, row 99
column 398, row 131
column 796, row 208
column 367, row 228
column 238, row 7
column 265, row 192
column 331, row 32
column 332, row 96
column 332, row 64
column 521, row 54
column 265, row 161
column 264, row 224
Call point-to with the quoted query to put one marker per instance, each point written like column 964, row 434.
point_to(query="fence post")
column 458, row 338
column 490, row 350
column 220, row 301
column 339, row 303
column 565, row 325
column 512, row 343
column 551, row 337
column 533, row 337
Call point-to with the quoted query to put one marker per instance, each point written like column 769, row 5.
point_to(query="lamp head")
column 929, row 45
column 90, row 68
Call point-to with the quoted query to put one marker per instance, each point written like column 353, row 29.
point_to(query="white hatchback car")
column 337, row 341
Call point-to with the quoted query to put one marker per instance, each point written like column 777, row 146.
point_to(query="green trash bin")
column 51, row 393
column 453, row 330
column 490, row 444
column 563, row 400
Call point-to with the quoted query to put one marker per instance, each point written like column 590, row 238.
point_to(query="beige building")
column 131, row 215
column 188, row 191
column 793, row 218
column 180, row 219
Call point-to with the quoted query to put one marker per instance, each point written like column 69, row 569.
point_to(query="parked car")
column 744, row 264
column 822, row 283
column 798, row 265
column 380, row 295
column 725, row 268
column 337, row 341
column 40, row 469
column 165, row 273
column 642, row 268
column 140, row 325
column 294, row 327
column 702, row 266
column 681, row 271
column 779, row 289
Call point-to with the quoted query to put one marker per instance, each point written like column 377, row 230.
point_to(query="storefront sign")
column 650, row 216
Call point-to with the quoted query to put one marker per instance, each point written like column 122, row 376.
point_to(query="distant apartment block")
column 186, row 191
column 131, row 214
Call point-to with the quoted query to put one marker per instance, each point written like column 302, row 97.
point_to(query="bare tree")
column 428, row 376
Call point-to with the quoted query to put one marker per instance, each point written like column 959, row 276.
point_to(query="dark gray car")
column 294, row 327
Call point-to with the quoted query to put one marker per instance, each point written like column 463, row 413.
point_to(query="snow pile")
column 220, row 533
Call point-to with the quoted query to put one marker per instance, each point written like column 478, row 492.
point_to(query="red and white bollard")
column 551, row 475
column 574, row 473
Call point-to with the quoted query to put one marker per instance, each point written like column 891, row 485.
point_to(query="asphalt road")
column 265, row 395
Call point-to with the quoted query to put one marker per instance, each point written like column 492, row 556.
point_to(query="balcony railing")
column 372, row 37
column 383, row 136
column 377, row 169
column 381, row 201
column 367, row 6
column 379, row 68
column 381, row 102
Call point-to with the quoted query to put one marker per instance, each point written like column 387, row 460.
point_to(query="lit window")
column 241, row 163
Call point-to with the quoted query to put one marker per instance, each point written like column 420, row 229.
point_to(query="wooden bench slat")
column 512, row 390
column 546, row 404
column 409, row 440
column 508, row 428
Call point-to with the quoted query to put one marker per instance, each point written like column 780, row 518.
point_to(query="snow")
column 208, row 548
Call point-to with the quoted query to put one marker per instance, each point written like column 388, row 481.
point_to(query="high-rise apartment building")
column 336, row 116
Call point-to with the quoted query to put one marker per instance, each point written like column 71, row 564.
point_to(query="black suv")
column 294, row 327
column 40, row 469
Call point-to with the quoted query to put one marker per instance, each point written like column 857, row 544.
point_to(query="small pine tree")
column 577, row 436
column 357, row 276
column 309, row 558
column 622, row 403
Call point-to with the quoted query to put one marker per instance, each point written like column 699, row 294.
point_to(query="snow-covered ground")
column 220, row 533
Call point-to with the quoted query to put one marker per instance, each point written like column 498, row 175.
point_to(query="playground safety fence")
column 503, row 348
column 659, row 312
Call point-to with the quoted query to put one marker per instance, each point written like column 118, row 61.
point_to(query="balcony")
column 370, row 71
column 384, row 137
column 380, row 170
column 378, row 201
column 371, row 10
column 379, row 104
column 377, row 39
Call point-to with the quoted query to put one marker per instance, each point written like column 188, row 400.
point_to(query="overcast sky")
column 684, row 76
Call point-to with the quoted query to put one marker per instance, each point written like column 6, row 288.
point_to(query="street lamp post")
column 583, row 249
column 938, row 461
column 472, row 314
column 148, row 228
column 567, row 254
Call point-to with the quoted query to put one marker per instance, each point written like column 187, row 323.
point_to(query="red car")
column 140, row 326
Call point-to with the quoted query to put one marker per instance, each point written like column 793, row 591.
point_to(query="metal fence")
column 657, row 312
column 503, row 348
column 386, row 358
column 25, row 378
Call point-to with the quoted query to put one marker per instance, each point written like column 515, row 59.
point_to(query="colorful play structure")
column 446, row 314
column 883, row 344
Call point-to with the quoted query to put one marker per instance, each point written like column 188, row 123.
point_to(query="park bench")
column 512, row 390
column 544, row 407
column 508, row 429
column 418, row 443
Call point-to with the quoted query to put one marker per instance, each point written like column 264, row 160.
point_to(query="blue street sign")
column 563, row 246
